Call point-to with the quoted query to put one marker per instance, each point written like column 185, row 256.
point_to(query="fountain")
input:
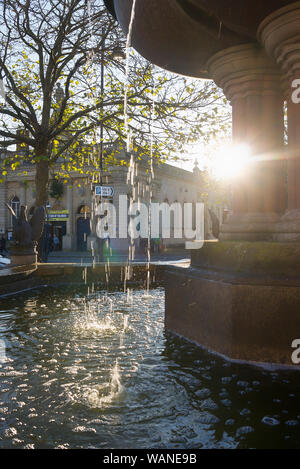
column 241, row 296
column 85, row 367
column 26, row 235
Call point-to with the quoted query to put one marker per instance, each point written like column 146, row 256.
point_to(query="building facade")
column 71, row 217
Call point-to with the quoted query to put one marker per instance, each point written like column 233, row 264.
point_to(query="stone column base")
column 250, row 227
column 240, row 300
column 262, row 227
column 288, row 229
column 23, row 259
column 23, row 255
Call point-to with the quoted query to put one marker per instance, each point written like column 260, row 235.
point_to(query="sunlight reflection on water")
column 96, row 371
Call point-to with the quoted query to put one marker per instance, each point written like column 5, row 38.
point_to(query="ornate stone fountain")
column 26, row 234
column 241, row 297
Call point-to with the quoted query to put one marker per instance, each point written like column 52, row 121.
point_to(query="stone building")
column 71, row 215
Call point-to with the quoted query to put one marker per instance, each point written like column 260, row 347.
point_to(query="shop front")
column 57, row 221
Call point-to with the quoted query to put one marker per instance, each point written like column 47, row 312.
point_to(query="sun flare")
column 230, row 161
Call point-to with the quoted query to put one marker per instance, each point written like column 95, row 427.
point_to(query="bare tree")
column 51, row 56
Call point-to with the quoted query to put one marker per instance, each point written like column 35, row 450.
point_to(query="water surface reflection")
column 99, row 371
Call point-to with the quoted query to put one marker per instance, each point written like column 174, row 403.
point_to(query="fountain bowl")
column 182, row 35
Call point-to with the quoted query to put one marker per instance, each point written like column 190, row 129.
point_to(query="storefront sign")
column 58, row 215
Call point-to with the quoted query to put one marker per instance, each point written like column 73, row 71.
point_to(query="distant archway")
column 83, row 226
column 84, row 210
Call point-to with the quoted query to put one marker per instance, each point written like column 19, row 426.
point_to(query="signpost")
column 104, row 191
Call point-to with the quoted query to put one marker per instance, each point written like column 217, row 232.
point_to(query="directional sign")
column 104, row 191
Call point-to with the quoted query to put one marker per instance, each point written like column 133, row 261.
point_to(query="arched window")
column 84, row 211
column 15, row 205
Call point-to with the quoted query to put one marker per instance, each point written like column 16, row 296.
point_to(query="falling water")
column 128, row 45
column 150, row 178
column 132, row 166
column 90, row 322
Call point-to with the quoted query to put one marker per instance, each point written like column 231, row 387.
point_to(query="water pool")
column 99, row 371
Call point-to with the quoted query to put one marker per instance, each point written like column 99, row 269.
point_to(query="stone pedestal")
column 253, row 84
column 239, row 299
column 21, row 255
column 252, row 226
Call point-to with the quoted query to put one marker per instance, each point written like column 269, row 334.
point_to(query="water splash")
column 125, row 324
column 100, row 396
column 87, row 325
column 116, row 385
column 90, row 321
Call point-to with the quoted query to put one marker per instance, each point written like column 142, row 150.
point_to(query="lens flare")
column 231, row 161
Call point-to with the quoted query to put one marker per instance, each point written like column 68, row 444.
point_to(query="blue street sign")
column 104, row 191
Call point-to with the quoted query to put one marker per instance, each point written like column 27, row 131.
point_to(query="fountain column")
column 280, row 35
column 252, row 83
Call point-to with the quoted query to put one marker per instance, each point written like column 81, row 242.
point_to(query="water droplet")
column 271, row 421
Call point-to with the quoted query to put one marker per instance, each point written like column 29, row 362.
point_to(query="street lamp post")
column 102, row 97
column 118, row 55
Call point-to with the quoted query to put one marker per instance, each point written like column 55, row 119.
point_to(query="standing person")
column 56, row 242
column 2, row 245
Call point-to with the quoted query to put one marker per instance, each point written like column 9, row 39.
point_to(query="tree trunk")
column 41, row 182
column 41, row 198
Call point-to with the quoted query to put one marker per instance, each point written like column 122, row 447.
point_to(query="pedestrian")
column 2, row 244
column 56, row 242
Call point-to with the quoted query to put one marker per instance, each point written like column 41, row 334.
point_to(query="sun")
column 230, row 161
